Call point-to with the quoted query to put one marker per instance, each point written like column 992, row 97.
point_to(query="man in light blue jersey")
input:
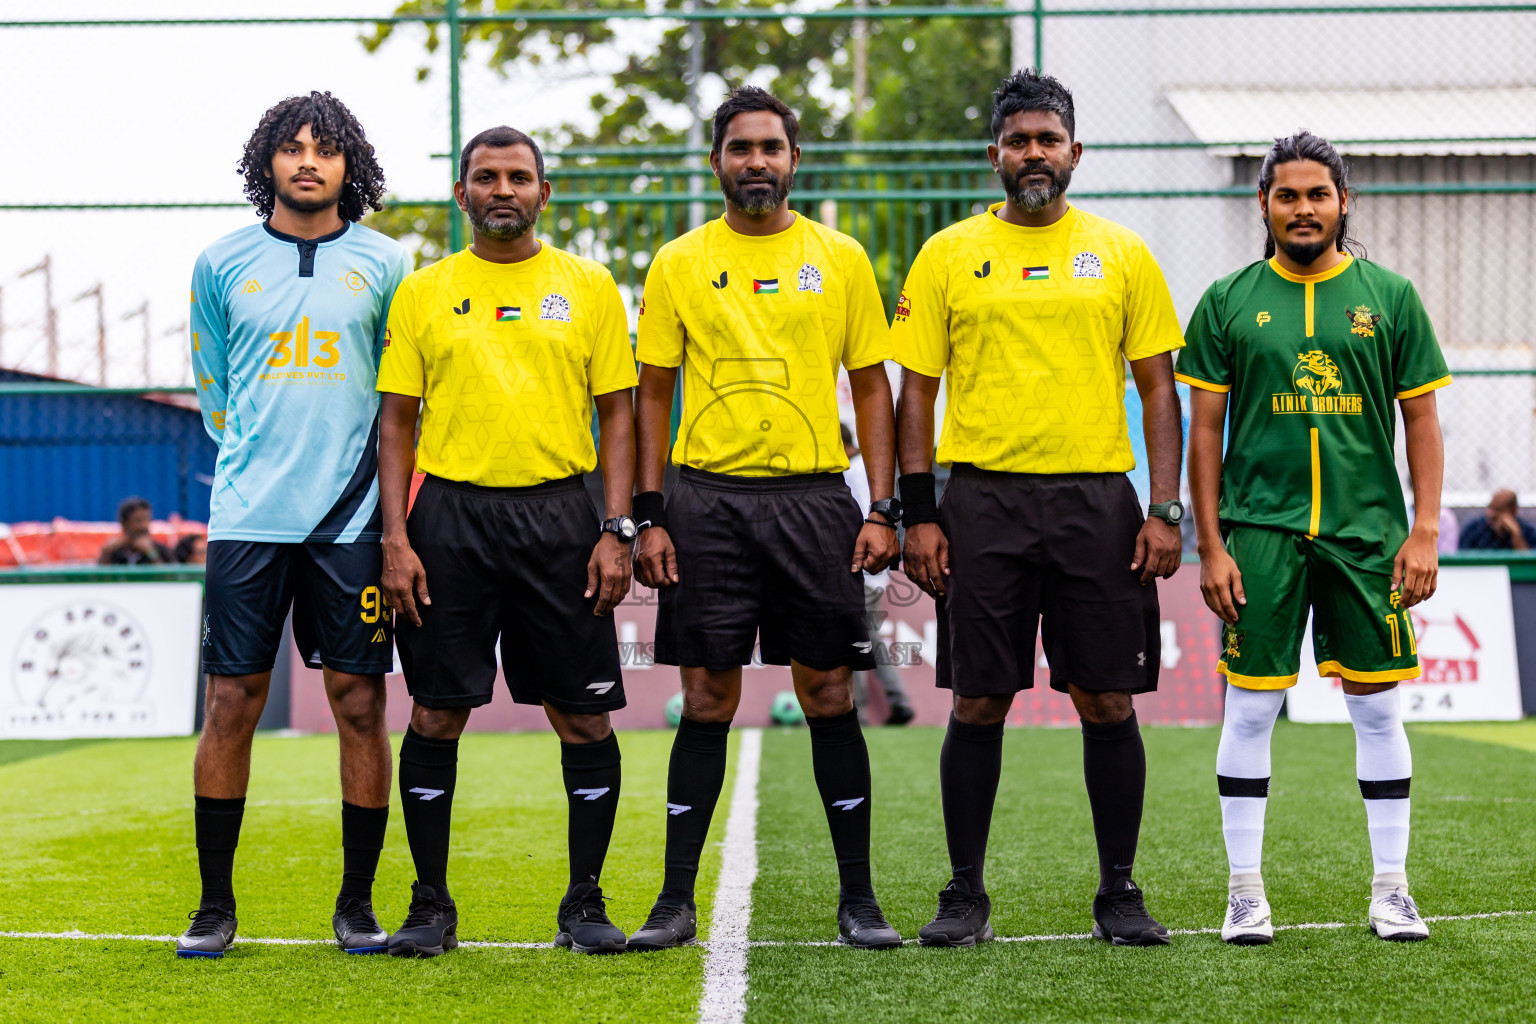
column 288, row 321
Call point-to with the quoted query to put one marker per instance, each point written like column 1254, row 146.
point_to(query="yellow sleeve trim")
column 1203, row 385
column 1424, row 389
column 1333, row 668
column 1257, row 682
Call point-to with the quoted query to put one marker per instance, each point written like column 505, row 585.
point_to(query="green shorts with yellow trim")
column 1360, row 631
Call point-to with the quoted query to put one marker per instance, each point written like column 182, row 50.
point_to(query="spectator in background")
column 135, row 546
column 1500, row 528
column 192, row 549
column 874, row 589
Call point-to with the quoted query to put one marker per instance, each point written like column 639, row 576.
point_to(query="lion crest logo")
column 1234, row 642
column 1316, row 374
column 1362, row 321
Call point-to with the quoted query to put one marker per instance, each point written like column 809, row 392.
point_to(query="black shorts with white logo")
column 766, row 555
column 1047, row 552
column 339, row 618
column 508, row 562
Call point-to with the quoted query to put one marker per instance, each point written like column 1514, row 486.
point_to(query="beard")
column 1304, row 254
column 760, row 197
column 499, row 227
column 1033, row 200
column 310, row 203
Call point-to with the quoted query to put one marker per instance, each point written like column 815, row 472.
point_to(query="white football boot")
column 1249, row 922
column 1396, row 917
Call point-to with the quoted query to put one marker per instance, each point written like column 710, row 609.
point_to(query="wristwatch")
column 1170, row 512
column 888, row 507
column 622, row 527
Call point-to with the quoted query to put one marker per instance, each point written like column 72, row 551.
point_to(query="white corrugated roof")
column 1418, row 121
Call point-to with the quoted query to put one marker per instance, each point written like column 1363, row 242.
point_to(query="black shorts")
column 339, row 618
column 1050, row 552
column 765, row 555
column 508, row 562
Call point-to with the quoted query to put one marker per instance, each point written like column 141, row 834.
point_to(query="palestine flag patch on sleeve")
column 505, row 313
column 1037, row 273
column 770, row 287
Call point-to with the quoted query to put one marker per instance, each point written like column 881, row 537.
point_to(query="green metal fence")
column 1175, row 104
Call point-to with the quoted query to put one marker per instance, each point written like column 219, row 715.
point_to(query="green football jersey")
column 1312, row 366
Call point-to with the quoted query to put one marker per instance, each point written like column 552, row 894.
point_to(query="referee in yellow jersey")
column 761, row 536
column 1031, row 309
column 504, row 348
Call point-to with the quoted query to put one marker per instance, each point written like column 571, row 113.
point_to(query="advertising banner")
column 1465, row 637
column 98, row 659
column 906, row 629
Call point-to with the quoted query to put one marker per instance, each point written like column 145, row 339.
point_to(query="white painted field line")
column 724, row 999
column 736, row 943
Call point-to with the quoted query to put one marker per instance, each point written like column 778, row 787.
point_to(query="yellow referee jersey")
column 506, row 358
column 760, row 326
column 1031, row 325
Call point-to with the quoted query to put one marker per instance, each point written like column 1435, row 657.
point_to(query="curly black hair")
column 330, row 121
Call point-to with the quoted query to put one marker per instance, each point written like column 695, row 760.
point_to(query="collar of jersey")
column 1065, row 220
column 295, row 239
column 777, row 236
column 1330, row 273
column 491, row 266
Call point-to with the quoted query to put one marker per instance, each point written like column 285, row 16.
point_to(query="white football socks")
column 1384, row 766
column 1242, row 778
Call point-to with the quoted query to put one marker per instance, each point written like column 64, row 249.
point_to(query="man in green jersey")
column 1310, row 347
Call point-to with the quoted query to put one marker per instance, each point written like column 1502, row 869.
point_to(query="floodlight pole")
column 455, row 44
column 101, row 331
column 143, row 313
column 50, row 315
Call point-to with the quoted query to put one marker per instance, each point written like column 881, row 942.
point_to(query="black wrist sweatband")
column 649, row 508
column 918, row 501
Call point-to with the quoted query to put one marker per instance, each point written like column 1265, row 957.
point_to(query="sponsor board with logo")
column 98, row 659
column 1466, row 643
column 904, row 632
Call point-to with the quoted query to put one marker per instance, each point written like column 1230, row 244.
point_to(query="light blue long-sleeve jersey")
column 286, row 337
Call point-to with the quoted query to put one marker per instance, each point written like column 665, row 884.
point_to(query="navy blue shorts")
column 340, row 620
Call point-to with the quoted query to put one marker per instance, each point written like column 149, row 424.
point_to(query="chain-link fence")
column 1435, row 105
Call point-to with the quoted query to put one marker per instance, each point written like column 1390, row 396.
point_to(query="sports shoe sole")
column 198, row 954
column 1249, row 939
column 365, row 950
column 568, row 941
column 449, row 942
column 1399, row 937
column 1147, row 938
column 943, row 942
column 646, row 947
column 843, row 940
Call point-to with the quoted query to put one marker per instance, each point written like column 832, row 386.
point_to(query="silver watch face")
column 627, row 528
column 1175, row 513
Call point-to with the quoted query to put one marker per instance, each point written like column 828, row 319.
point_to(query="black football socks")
column 362, row 839
column 694, row 780
column 970, row 763
column 840, row 760
column 1115, row 768
column 218, row 833
column 592, row 790
column 428, row 769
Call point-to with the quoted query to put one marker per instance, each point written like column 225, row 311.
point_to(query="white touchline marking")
column 734, row 943
column 724, row 999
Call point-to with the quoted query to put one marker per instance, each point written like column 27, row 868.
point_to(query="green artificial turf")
column 97, row 838
column 1472, row 841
